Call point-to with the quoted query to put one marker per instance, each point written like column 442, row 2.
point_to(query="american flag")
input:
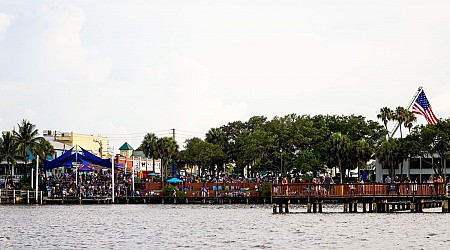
column 422, row 107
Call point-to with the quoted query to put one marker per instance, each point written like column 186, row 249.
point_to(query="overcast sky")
column 125, row 68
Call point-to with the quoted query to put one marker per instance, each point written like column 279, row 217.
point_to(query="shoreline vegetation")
column 293, row 146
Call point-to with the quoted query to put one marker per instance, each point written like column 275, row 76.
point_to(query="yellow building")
column 97, row 145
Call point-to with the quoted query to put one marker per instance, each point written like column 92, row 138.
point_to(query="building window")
column 426, row 163
column 415, row 163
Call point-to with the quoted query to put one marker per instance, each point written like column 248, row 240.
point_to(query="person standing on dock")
column 275, row 186
column 397, row 184
column 388, row 180
column 284, row 184
column 407, row 182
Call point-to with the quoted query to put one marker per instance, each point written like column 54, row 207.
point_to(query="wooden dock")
column 375, row 198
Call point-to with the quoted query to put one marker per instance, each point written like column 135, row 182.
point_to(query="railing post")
column 14, row 196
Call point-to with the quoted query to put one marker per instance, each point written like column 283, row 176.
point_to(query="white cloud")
column 5, row 21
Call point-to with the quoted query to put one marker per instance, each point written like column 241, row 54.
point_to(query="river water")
column 215, row 227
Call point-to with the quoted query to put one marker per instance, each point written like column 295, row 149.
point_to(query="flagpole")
column 37, row 177
column 408, row 107
column 112, row 176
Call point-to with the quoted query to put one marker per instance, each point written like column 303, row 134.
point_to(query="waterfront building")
column 417, row 168
column 95, row 144
column 135, row 159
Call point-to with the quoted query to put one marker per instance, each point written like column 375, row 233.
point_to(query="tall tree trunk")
column 340, row 170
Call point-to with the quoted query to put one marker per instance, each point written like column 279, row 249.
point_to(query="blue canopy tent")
column 67, row 159
column 85, row 168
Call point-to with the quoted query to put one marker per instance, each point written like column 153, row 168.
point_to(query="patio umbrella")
column 174, row 180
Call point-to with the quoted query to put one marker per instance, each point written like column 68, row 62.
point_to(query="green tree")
column 389, row 154
column 149, row 147
column 9, row 151
column 340, row 148
column 28, row 140
column 167, row 148
column 436, row 141
column 386, row 114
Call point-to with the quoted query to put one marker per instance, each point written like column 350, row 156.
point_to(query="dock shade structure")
column 67, row 159
column 174, row 180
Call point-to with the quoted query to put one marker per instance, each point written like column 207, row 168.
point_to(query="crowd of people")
column 85, row 185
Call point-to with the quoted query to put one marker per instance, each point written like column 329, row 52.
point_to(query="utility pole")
column 173, row 134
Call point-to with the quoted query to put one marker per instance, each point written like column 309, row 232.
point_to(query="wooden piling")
column 445, row 206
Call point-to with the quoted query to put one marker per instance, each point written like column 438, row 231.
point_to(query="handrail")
column 357, row 189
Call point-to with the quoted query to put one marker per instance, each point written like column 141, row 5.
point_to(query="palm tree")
column 28, row 140
column 410, row 119
column 9, row 151
column 167, row 147
column 149, row 147
column 401, row 115
column 340, row 145
column 363, row 153
column 386, row 114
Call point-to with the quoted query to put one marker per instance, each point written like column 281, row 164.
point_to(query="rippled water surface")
column 215, row 227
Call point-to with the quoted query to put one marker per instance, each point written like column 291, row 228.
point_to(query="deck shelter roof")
column 69, row 158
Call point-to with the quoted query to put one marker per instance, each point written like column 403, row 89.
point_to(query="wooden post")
column 41, row 197
column 413, row 207
column 364, row 207
column 445, row 206
column 419, row 208
column 274, row 208
column 355, row 206
column 373, row 207
column 28, row 196
column 315, row 207
column 280, row 208
column 286, row 209
column 14, row 196
column 345, row 207
column 350, row 207
column 308, row 207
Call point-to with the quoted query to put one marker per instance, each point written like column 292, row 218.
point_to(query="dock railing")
column 356, row 189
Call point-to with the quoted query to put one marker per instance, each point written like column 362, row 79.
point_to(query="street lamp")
column 281, row 156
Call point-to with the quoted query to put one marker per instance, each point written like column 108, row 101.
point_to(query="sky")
column 122, row 69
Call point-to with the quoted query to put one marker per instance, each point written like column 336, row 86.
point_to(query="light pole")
column 281, row 156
